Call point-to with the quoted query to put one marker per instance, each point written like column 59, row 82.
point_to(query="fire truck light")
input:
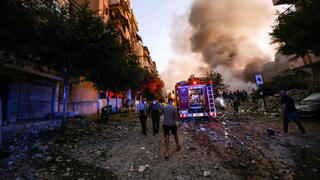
column 194, row 82
column 212, row 114
column 183, row 115
column 210, row 82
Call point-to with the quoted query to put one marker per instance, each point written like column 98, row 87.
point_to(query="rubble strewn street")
column 245, row 145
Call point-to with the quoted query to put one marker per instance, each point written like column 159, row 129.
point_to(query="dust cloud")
column 227, row 36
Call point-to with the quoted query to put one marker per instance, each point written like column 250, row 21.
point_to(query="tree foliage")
column 19, row 35
column 151, row 86
column 215, row 77
column 297, row 31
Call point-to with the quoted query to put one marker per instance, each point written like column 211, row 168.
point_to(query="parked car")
column 310, row 106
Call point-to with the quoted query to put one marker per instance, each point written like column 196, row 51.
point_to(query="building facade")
column 310, row 60
column 27, row 95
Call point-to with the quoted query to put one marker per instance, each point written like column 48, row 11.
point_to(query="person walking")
column 142, row 110
column 154, row 113
column 169, row 126
column 289, row 111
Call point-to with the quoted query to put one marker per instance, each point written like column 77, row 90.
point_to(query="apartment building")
column 84, row 99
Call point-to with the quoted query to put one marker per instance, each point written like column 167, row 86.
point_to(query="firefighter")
column 154, row 113
column 169, row 126
column 142, row 110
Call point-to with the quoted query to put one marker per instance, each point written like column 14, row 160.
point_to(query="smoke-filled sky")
column 193, row 36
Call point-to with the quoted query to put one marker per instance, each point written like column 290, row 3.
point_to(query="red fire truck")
column 195, row 100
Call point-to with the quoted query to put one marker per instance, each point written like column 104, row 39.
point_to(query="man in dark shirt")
column 154, row 112
column 142, row 110
column 290, row 112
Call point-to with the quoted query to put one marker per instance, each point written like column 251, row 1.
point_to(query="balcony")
column 281, row 2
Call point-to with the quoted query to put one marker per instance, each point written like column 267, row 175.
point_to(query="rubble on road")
column 237, row 146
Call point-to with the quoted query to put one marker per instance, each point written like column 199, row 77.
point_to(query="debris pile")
column 273, row 102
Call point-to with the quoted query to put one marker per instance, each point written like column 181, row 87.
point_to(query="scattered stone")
column 243, row 165
column 271, row 131
column 202, row 129
column 67, row 174
column 314, row 170
column 142, row 168
column 206, row 173
column 48, row 158
column 259, row 148
column 38, row 156
column 131, row 169
column 143, row 148
column 179, row 178
column 235, row 123
column 43, row 148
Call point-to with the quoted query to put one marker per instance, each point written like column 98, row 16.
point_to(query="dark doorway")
column 4, row 93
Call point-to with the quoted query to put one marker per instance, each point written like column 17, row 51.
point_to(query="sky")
column 155, row 19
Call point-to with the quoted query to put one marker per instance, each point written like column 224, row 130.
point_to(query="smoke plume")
column 230, row 37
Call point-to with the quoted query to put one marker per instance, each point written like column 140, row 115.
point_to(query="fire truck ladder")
column 210, row 98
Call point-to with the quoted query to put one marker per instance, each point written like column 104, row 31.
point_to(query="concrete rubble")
column 235, row 147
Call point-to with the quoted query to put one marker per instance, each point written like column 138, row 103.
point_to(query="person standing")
column 142, row 110
column 236, row 101
column 154, row 112
column 289, row 111
column 169, row 126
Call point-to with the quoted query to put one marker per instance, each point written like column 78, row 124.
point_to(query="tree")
column 117, row 70
column 297, row 31
column 151, row 86
column 215, row 77
column 72, row 36
column 289, row 79
column 19, row 34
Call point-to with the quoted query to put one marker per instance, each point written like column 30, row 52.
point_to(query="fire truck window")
column 196, row 97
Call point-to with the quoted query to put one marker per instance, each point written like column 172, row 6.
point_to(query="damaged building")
column 310, row 61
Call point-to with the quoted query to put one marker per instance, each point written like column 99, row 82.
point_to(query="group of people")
column 235, row 98
column 154, row 110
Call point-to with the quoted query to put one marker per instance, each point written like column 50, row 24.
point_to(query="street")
column 237, row 146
